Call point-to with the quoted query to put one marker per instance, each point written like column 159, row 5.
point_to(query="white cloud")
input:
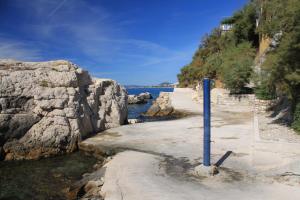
column 91, row 31
column 17, row 50
column 56, row 8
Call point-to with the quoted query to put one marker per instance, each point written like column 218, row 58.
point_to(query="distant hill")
column 163, row 84
column 134, row 86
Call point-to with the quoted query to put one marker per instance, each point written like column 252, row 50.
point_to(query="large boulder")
column 139, row 99
column 46, row 108
column 161, row 106
column 146, row 95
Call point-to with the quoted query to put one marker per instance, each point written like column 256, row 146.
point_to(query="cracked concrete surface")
column 155, row 159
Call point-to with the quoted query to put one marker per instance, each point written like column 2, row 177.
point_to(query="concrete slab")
column 158, row 158
column 134, row 176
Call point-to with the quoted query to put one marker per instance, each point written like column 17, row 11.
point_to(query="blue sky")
column 142, row 42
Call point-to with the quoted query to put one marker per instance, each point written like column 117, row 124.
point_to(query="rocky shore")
column 165, row 154
column 46, row 108
column 161, row 106
column 140, row 98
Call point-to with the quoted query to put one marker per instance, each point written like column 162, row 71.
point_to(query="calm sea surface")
column 42, row 179
column 135, row 110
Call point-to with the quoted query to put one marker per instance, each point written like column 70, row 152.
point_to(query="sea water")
column 135, row 111
column 46, row 178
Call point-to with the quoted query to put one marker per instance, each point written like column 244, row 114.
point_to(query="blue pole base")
column 205, row 171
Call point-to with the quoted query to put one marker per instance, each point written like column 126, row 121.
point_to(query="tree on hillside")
column 229, row 56
column 283, row 62
column 207, row 60
column 189, row 76
column 236, row 68
column 273, row 16
column 244, row 25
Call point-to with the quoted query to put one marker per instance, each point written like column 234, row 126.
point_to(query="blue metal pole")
column 206, row 121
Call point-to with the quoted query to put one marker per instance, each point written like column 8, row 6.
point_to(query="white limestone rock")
column 141, row 98
column 161, row 106
column 47, row 107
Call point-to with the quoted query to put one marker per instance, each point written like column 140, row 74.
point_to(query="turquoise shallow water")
column 44, row 179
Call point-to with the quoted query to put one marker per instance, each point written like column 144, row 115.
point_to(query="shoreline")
column 167, row 151
column 146, row 87
column 177, row 150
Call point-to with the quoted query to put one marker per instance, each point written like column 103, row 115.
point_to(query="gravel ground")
column 269, row 130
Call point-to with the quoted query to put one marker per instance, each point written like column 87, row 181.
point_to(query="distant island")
column 161, row 85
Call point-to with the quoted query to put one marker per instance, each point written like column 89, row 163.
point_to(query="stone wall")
column 261, row 106
column 220, row 96
column 46, row 108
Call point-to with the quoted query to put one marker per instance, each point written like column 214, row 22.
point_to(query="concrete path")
column 156, row 159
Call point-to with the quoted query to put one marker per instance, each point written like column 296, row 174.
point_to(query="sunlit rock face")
column 46, row 108
column 161, row 106
column 141, row 98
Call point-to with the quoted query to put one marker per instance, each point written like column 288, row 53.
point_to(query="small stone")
column 134, row 121
column 97, row 166
column 90, row 185
column 99, row 182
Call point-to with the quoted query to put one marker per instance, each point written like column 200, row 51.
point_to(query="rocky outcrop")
column 197, row 94
column 47, row 107
column 161, row 106
column 89, row 187
column 139, row 99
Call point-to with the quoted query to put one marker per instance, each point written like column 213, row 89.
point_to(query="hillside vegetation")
column 231, row 56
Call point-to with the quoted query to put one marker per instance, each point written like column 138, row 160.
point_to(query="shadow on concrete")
column 223, row 158
column 281, row 111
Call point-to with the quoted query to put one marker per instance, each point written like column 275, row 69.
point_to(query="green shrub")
column 236, row 67
column 265, row 91
column 296, row 123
